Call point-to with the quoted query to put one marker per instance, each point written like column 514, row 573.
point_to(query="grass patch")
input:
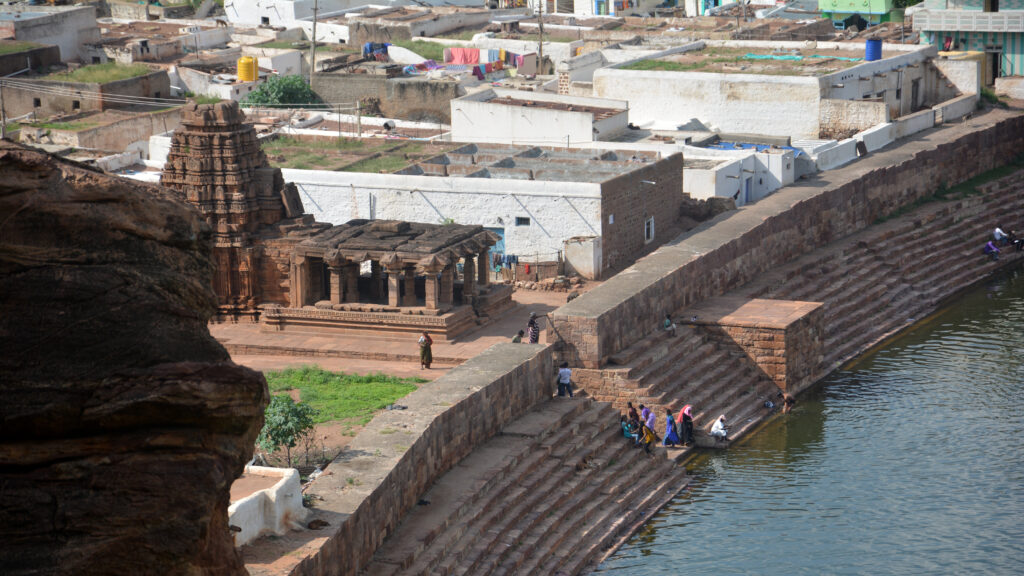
column 16, row 46
column 429, row 50
column 102, row 73
column 69, row 126
column 965, row 189
column 279, row 144
column 350, row 398
column 988, row 95
column 378, row 164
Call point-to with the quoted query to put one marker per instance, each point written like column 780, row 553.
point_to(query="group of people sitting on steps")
column 1001, row 238
column 639, row 427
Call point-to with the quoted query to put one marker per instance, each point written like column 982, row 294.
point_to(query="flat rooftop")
column 599, row 113
column 144, row 30
column 509, row 162
column 728, row 60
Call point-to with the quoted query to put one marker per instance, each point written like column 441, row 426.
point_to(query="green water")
column 911, row 461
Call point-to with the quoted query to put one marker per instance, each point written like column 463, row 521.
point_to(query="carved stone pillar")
column 409, row 298
column 447, row 285
column 431, row 286
column 484, row 268
column 335, row 283
column 351, row 282
column 393, row 287
column 468, row 280
column 376, row 282
column 298, row 282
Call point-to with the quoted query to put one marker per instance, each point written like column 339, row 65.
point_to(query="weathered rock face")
column 123, row 423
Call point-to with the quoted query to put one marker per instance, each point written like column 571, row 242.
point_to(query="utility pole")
column 3, row 113
column 540, row 45
column 312, row 49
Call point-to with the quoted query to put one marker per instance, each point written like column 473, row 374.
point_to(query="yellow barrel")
column 247, row 69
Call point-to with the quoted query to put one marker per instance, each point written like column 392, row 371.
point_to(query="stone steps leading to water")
column 560, row 474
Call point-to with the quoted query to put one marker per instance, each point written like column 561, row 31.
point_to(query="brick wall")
column 400, row 454
column 403, row 98
column 628, row 202
column 732, row 249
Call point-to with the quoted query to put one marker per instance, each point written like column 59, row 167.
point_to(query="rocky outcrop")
column 123, row 423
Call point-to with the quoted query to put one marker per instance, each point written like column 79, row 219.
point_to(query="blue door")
column 498, row 248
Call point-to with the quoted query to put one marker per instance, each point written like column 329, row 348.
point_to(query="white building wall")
column 557, row 210
column 738, row 103
column 280, row 12
column 67, row 28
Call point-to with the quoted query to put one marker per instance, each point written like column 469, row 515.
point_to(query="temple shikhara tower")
column 215, row 159
column 277, row 266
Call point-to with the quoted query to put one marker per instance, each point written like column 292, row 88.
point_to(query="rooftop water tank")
column 247, row 69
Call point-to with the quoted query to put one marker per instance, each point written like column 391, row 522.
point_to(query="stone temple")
column 277, row 266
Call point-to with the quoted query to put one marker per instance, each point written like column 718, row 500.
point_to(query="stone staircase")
column 694, row 367
column 886, row 277
column 548, row 496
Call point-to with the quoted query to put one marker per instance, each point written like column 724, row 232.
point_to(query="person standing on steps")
column 651, row 420
column 686, row 425
column 564, row 379
column 671, row 431
column 533, row 329
column 718, row 429
column 644, row 411
column 647, row 439
column 631, row 412
column 426, row 356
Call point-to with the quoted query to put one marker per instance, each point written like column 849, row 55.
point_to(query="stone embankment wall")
column 736, row 247
column 374, row 483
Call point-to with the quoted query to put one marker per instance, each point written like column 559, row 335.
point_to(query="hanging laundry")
column 499, row 65
column 447, row 54
column 489, row 67
column 478, row 71
column 501, row 55
column 465, row 56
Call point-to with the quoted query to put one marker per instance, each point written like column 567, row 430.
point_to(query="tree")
column 285, row 423
column 282, row 90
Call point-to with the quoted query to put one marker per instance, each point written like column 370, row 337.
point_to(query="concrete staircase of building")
column 549, row 495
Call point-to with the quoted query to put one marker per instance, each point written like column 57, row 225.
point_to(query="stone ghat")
column 364, row 494
column 739, row 246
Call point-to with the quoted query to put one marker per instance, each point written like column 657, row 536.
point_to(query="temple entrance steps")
column 876, row 282
column 548, row 495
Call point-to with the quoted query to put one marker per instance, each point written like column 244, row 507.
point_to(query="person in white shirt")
column 718, row 428
column 1000, row 236
column 564, row 380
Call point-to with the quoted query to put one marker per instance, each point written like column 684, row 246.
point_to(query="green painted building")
column 995, row 27
column 841, row 11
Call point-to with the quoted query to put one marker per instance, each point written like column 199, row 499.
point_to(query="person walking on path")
column 564, row 379
column 686, row 425
column 518, row 338
column 533, row 329
column 651, row 420
column 426, row 356
column 671, row 431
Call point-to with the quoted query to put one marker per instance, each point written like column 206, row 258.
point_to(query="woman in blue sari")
column 671, row 432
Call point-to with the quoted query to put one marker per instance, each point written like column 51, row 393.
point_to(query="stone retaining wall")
column 735, row 247
column 374, row 483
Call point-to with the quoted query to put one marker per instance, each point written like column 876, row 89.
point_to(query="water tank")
column 247, row 69
column 873, row 49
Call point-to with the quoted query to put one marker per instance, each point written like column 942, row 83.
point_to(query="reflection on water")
column 909, row 462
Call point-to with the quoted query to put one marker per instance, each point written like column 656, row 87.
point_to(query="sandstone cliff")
column 122, row 422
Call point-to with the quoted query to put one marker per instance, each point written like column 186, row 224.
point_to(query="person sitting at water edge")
column 669, row 326
column 718, row 429
column 999, row 236
column 787, row 403
column 991, row 250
